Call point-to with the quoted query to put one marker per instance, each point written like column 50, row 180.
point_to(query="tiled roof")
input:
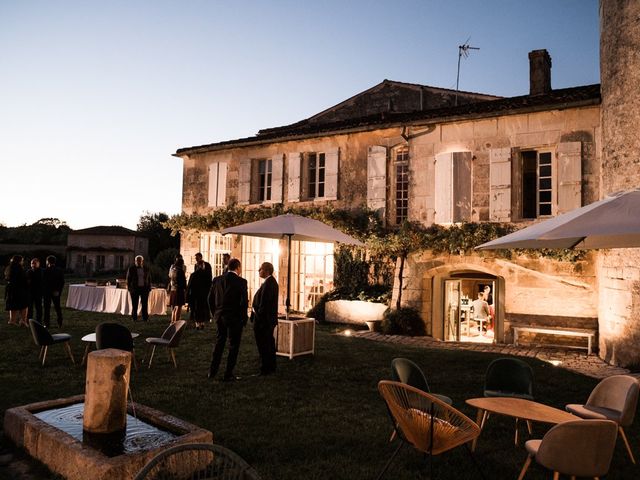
column 555, row 99
column 108, row 230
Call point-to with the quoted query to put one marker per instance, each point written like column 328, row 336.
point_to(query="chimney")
column 539, row 72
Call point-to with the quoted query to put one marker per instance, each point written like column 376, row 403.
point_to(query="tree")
column 160, row 238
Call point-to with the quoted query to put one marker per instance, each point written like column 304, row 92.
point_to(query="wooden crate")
column 295, row 337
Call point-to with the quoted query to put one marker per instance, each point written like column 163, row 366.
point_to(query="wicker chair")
column 197, row 461
column 425, row 422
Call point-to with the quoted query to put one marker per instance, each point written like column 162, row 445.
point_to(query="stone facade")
column 618, row 272
column 104, row 249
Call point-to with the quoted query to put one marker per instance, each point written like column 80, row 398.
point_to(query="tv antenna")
column 463, row 51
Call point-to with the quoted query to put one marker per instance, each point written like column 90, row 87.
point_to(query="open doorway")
column 469, row 307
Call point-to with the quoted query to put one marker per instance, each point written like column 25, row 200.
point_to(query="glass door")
column 452, row 294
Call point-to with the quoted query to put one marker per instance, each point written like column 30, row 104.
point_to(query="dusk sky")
column 96, row 96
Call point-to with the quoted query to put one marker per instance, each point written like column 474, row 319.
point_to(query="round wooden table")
column 518, row 408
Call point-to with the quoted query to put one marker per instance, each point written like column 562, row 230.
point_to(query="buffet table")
column 110, row 299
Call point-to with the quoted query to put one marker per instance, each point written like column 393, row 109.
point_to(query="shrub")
column 403, row 321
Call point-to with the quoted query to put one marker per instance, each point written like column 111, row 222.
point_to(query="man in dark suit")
column 228, row 301
column 198, row 290
column 139, row 286
column 53, row 283
column 264, row 314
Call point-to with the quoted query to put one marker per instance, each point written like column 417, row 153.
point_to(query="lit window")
column 213, row 246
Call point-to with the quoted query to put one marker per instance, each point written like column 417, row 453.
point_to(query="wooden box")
column 295, row 337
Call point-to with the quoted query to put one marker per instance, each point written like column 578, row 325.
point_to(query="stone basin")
column 73, row 459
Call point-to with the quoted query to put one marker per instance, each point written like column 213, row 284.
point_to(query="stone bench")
column 584, row 333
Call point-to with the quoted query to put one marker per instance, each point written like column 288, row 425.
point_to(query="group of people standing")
column 33, row 291
column 225, row 298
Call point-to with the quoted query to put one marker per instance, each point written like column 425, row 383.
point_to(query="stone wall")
column 618, row 272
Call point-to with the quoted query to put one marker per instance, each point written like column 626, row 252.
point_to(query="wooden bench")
column 588, row 334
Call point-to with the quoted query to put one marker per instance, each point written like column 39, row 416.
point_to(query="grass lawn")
column 319, row 417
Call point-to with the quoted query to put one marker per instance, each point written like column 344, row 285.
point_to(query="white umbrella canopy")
column 613, row 222
column 294, row 227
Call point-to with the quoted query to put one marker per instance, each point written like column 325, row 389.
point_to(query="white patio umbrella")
column 294, row 227
column 613, row 222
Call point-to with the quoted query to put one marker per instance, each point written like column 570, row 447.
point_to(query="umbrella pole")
column 287, row 303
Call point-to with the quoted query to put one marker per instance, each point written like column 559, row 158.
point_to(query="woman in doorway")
column 178, row 284
column 16, row 293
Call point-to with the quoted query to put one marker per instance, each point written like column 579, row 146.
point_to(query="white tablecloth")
column 113, row 300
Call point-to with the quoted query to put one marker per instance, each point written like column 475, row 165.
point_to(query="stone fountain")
column 98, row 435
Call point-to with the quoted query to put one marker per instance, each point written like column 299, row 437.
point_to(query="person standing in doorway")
column 225, row 262
column 264, row 314
column 139, row 286
column 198, row 292
column 229, row 302
column 53, row 283
column 35, row 282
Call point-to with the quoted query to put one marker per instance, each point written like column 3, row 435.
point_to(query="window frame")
column 315, row 175
column 540, row 176
column 400, row 184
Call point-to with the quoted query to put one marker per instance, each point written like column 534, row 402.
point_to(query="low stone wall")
column 354, row 312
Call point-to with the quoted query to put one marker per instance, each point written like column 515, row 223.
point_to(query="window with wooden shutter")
column 500, row 185
column 217, row 184
column 331, row 174
column 444, row 188
column 293, row 177
column 276, row 178
column 377, row 179
column 244, row 181
column 569, row 176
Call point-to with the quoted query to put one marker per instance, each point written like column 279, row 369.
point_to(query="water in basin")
column 139, row 435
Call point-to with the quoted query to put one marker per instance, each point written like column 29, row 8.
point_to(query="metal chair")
column 614, row 398
column 582, row 448
column 114, row 335
column 197, row 461
column 44, row 339
column 508, row 377
column 169, row 339
column 425, row 422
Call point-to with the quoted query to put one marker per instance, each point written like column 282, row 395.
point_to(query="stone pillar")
column 107, row 384
column 618, row 275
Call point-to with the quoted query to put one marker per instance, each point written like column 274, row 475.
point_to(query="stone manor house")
column 433, row 155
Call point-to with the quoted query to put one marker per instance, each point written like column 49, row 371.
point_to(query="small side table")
column 90, row 339
column 295, row 337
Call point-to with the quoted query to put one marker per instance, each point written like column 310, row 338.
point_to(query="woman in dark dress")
column 178, row 284
column 16, row 295
column 198, row 295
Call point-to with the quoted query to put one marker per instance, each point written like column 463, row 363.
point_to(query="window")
column 82, row 260
column 537, row 181
column 256, row 251
column 316, row 172
column 402, row 184
column 100, row 262
column 311, row 273
column 264, row 180
column 213, row 246
column 118, row 262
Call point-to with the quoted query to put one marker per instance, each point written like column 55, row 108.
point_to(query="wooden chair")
column 44, row 339
column 425, row 422
column 582, row 448
column 194, row 461
column 614, row 398
column 170, row 339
